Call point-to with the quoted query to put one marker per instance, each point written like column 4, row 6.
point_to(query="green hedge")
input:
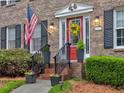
column 105, row 70
column 14, row 62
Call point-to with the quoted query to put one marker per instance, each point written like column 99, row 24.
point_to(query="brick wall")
column 45, row 9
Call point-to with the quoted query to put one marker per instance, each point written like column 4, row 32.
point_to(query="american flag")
column 31, row 22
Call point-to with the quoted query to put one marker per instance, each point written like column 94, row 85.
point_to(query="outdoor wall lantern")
column 97, row 23
column 51, row 28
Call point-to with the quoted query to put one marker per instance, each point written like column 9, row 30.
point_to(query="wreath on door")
column 74, row 29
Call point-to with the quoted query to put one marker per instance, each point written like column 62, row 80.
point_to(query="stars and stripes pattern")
column 31, row 22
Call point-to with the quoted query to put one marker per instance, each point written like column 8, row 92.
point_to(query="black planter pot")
column 80, row 55
column 55, row 80
column 46, row 56
column 30, row 78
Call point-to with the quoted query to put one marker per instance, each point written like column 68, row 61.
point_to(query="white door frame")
column 86, row 55
column 84, row 33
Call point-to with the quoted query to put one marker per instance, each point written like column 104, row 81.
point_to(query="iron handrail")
column 39, row 51
column 57, row 58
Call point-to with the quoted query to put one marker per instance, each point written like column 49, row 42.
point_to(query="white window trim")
column 60, row 31
column 115, row 28
column 7, row 39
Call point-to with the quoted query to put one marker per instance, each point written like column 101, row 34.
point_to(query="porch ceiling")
column 80, row 9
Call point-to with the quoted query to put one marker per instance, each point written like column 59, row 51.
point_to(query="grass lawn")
column 57, row 89
column 7, row 86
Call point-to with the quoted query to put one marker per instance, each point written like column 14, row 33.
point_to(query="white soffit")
column 81, row 8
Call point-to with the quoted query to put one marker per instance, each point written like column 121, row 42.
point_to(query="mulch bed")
column 85, row 87
column 1, row 84
column 8, row 78
column 3, row 80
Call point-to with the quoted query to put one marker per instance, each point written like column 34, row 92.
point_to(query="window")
column 0, row 38
column 36, row 39
column 2, row 3
column 63, row 33
column 119, row 28
column 87, row 35
column 11, row 2
column 8, row 2
column 74, row 39
column 11, row 37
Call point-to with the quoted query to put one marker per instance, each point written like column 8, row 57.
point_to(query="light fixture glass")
column 97, row 21
column 51, row 28
column 52, row 25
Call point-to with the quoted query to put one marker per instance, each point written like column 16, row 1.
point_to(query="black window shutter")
column 44, row 37
column 108, row 29
column 3, row 38
column 24, row 38
column 18, row 36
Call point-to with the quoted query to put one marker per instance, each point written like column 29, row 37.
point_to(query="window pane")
column 122, row 41
column 11, row 37
column 11, row 33
column 119, row 33
column 11, row 44
column 120, row 37
column 11, row 1
column 36, row 38
column 74, row 39
column 120, row 18
column 87, row 35
column 36, row 43
column 122, row 31
column 63, row 33
column 37, row 32
column 119, row 42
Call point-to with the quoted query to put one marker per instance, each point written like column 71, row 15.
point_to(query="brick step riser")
column 48, row 72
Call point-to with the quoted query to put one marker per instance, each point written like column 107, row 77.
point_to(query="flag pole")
column 28, row 45
column 28, row 16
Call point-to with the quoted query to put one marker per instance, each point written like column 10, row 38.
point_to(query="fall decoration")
column 74, row 29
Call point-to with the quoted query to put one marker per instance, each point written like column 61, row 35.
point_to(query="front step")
column 48, row 71
column 66, row 73
column 44, row 76
column 77, row 69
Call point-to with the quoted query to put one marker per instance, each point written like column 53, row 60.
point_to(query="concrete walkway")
column 42, row 86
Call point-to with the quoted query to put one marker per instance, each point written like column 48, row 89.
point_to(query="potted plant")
column 30, row 77
column 80, row 51
column 46, row 54
column 55, row 79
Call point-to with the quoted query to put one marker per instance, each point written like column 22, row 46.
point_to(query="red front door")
column 73, row 37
